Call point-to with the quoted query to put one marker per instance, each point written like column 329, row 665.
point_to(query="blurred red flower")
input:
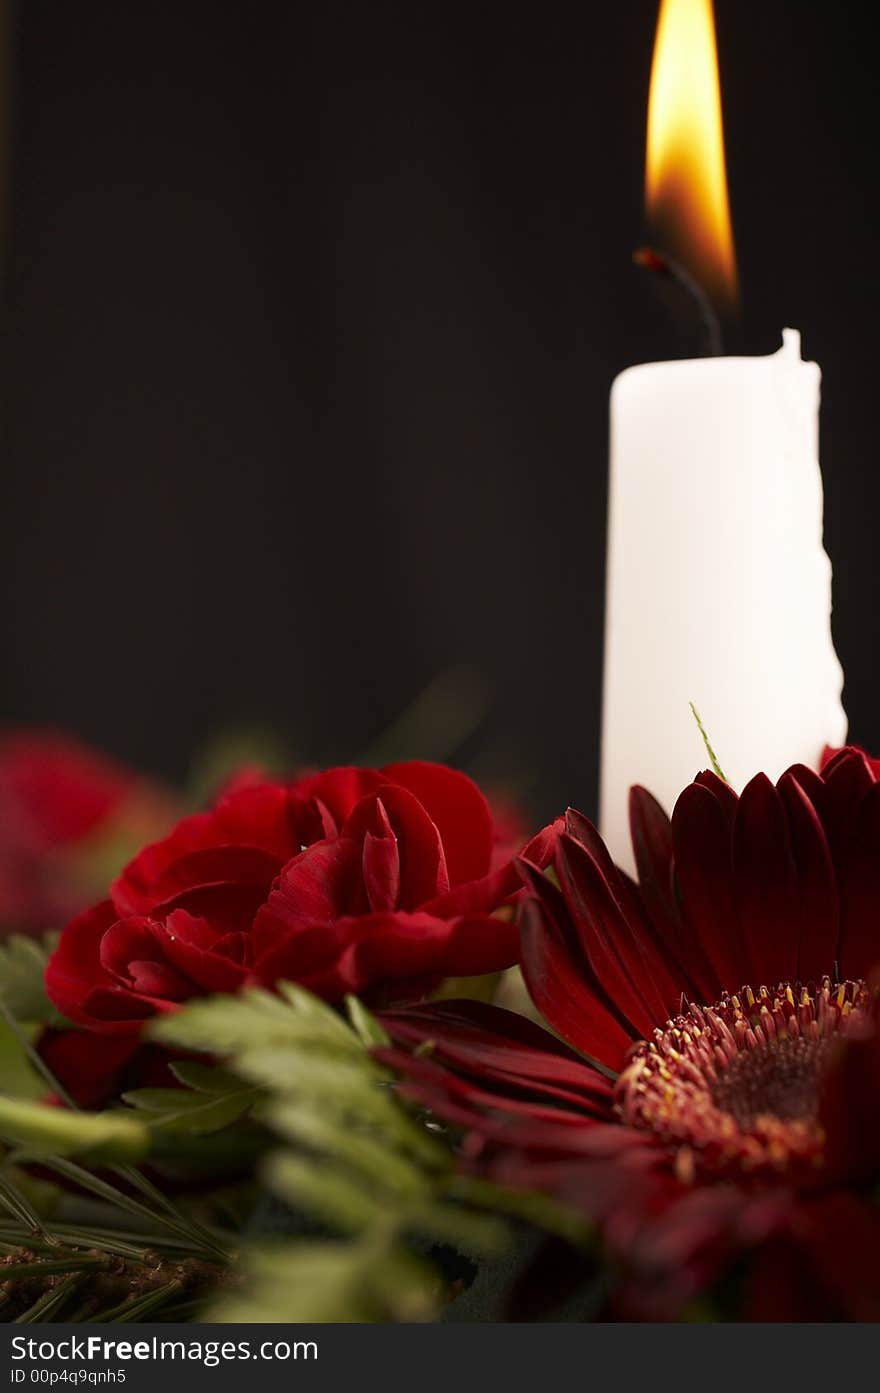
column 61, row 803
column 701, row 1123
column 379, row 882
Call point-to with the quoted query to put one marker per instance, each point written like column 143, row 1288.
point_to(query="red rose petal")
column 74, row 969
column 423, row 871
column 317, row 886
column 351, row 954
column 459, row 811
column 215, row 964
column 381, row 864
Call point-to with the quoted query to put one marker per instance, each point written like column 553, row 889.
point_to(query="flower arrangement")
column 267, row 1076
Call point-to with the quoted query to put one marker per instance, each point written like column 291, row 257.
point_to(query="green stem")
column 50, row 1303
column 713, row 758
column 105, row 1191
column 14, row 1201
column 80, row 1263
column 134, row 1308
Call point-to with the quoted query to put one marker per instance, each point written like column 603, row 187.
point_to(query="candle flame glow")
column 685, row 176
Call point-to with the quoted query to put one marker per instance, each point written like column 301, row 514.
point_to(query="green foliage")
column 346, row 1153
column 370, row 1279
column 18, row 1077
column 280, row 1081
column 22, row 970
column 210, row 1100
column 51, row 1131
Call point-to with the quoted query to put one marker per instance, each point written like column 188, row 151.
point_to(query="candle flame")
column 685, row 178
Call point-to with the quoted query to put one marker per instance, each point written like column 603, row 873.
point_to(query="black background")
column 310, row 318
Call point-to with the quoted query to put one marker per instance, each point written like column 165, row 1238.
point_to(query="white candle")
column 718, row 586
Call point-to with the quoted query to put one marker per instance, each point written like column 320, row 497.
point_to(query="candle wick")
column 693, row 295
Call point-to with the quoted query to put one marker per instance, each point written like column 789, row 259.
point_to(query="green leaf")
column 366, row 1027
column 320, row 1191
column 45, row 1130
column 17, row 1075
column 370, row 1157
column 482, row 1235
column 325, row 1281
column 540, row 1210
column 256, row 1018
column 176, row 1110
column 296, row 1046
column 22, row 971
column 204, row 1078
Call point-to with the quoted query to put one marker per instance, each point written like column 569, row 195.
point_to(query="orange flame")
column 685, row 177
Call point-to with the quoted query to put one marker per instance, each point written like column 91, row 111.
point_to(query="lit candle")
column 718, row 586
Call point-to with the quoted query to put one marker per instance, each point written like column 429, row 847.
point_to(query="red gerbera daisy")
column 728, row 1113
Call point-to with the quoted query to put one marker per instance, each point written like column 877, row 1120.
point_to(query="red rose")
column 59, row 801
column 354, row 880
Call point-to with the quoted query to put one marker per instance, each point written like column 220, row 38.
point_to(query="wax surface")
column 719, row 588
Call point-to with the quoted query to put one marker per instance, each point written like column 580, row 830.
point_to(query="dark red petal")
column 118, row 1011
column 132, row 952
column 89, row 1066
column 858, row 868
column 726, row 796
column 478, row 896
column 616, row 959
column 498, row 1048
column 423, row 870
column 766, row 885
column 645, row 958
column 851, row 761
column 461, row 1017
column 701, row 837
column 158, row 980
column 558, row 984
column 215, row 866
column 321, row 884
column 812, row 783
column 824, row 1268
column 381, row 864
column 212, row 963
column 842, row 1237
column 74, row 969
column 850, row 1105
column 335, row 792
column 500, row 885
column 657, row 890
column 459, row 811
column 817, row 891
column 651, row 833
column 477, row 1103
column 255, row 816
column 125, row 939
column 351, row 955
column 846, row 782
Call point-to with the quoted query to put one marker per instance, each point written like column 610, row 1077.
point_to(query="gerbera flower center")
column 736, row 1086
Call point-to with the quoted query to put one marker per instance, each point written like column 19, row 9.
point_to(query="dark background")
column 310, row 318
